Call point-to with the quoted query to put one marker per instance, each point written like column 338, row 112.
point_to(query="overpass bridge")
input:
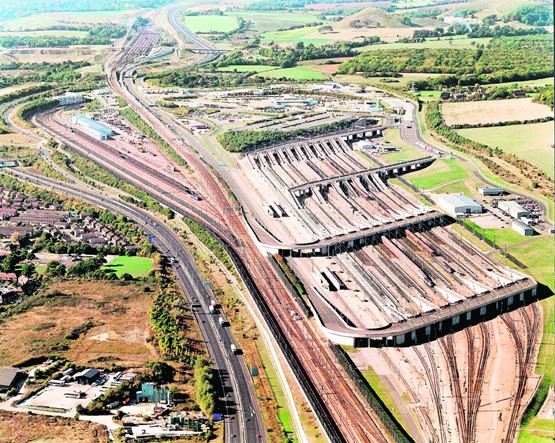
column 389, row 170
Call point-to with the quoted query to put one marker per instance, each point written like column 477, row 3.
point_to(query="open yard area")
column 211, row 23
column 19, row 427
column 136, row 266
column 493, row 111
column 86, row 321
column 442, row 171
column 533, row 142
column 44, row 20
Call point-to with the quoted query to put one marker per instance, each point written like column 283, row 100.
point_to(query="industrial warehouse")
column 92, row 127
column 380, row 268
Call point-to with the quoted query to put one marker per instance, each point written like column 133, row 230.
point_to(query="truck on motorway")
column 233, row 349
column 221, row 321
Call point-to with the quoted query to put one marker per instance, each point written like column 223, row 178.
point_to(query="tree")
column 27, row 269
column 161, row 371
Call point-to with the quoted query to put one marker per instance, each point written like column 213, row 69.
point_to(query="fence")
column 482, row 236
column 397, row 432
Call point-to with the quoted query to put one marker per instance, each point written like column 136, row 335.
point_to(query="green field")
column 211, row 23
column 294, row 36
column 296, row 73
column 500, row 236
column 532, row 142
column 441, row 171
column 266, row 21
column 56, row 18
column 538, row 431
column 538, row 82
column 136, row 266
column 381, row 390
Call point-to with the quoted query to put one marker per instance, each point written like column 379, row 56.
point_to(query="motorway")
column 240, row 415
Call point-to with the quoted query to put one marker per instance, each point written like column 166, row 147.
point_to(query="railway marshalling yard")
column 382, row 271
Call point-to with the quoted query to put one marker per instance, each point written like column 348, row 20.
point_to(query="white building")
column 363, row 145
column 522, row 228
column 456, row 204
column 513, row 209
column 70, row 98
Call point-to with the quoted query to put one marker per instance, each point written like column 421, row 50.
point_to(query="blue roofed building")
column 92, row 127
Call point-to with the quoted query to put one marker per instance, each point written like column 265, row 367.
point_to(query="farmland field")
column 532, row 142
column 136, row 266
column 266, row 21
column 66, row 18
column 211, row 23
column 440, row 172
column 112, row 320
column 296, row 36
column 493, row 111
column 19, row 427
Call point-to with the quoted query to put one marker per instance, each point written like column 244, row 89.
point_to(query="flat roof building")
column 92, row 127
column 491, row 191
column 458, row 204
column 513, row 208
column 522, row 228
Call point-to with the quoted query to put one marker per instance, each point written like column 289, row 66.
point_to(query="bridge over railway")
column 390, row 170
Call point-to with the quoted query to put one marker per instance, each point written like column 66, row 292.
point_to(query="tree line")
column 504, row 59
column 239, row 141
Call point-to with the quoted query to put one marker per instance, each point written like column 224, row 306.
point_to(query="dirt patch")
column 18, row 427
column 493, row 111
column 88, row 322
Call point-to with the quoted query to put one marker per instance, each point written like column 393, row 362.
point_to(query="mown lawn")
column 500, row 236
column 441, row 171
column 135, row 266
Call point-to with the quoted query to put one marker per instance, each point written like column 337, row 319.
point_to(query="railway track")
column 524, row 351
column 430, row 370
